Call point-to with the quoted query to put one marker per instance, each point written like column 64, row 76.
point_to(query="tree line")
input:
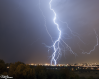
column 19, row 70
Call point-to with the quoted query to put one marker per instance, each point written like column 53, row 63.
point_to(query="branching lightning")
column 59, row 41
column 56, row 48
column 56, row 44
column 45, row 22
column 94, row 45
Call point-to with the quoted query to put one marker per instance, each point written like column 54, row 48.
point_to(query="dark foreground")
column 20, row 70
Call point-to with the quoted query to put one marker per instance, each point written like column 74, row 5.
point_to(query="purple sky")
column 22, row 30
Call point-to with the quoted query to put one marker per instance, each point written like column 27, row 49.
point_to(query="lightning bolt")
column 59, row 41
column 56, row 48
column 56, row 44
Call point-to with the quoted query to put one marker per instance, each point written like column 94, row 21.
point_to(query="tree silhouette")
column 2, row 66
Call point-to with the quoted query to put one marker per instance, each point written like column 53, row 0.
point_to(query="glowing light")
column 8, row 67
column 32, row 64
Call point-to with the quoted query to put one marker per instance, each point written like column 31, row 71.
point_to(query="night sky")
column 23, row 34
